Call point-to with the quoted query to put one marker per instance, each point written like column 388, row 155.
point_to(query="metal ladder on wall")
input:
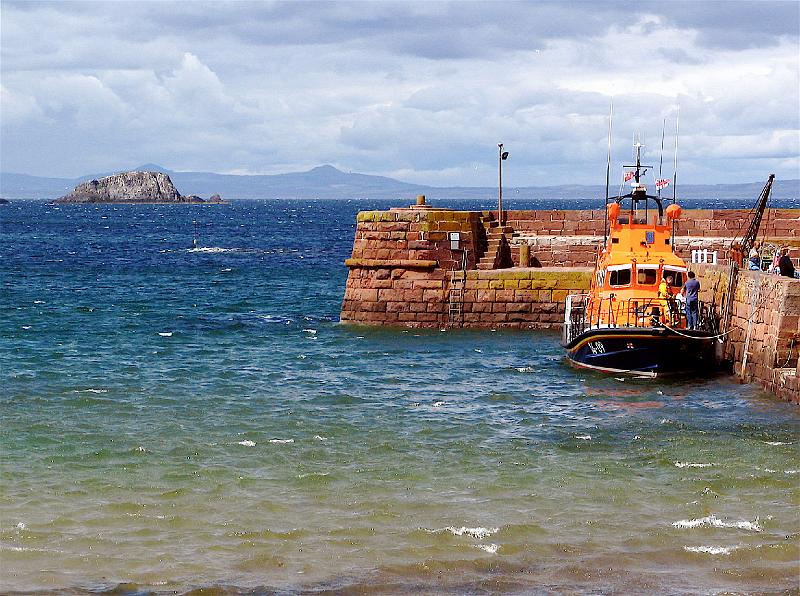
column 455, row 307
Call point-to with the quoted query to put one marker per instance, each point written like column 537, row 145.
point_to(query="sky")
column 418, row 91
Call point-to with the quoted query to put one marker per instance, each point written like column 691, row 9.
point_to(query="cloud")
column 422, row 89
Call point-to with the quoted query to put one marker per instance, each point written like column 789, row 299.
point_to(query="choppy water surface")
column 175, row 419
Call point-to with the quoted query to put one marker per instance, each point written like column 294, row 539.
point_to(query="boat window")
column 619, row 277
column 646, row 276
column 623, row 220
column 678, row 276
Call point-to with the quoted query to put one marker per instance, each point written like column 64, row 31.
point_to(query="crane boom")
column 752, row 232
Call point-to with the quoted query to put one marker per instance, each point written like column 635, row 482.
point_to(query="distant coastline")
column 327, row 182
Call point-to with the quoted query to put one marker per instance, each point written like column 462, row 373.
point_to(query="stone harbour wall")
column 764, row 325
column 529, row 298
column 571, row 238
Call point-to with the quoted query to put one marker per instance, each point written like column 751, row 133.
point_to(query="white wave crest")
column 774, row 443
column 320, row 438
column 281, row 441
column 165, row 333
column 584, row 437
column 712, row 521
column 489, row 548
column 212, row 249
column 247, row 443
column 477, row 533
column 686, row 464
column 711, row 550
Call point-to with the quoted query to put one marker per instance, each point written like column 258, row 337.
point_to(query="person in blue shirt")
column 690, row 291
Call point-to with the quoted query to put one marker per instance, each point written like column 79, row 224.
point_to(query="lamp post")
column 501, row 157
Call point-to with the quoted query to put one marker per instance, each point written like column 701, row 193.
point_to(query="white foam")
column 477, row 533
column 21, row 526
column 29, row 549
column 713, row 521
column 686, row 464
column 311, row 331
column 26, row 327
column 525, row 369
column 320, row 438
column 247, row 443
column 281, row 441
column 39, row 302
column 141, row 449
column 584, row 437
column 791, row 471
column 91, row 391
column 212, row 249
column 165, row 333
column 479, row 351
column 776, row 443
column 711, row 550
column 489, row 548
column 438, row 404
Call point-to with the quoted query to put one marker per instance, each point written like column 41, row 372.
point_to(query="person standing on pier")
column 785, row 264
column 690, row 290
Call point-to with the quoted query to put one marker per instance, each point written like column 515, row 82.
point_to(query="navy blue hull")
column 643, row 352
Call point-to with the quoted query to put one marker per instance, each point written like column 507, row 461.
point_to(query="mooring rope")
column 749, row 319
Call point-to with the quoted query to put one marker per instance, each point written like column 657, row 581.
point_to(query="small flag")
column 629, row 176
column 662, row 183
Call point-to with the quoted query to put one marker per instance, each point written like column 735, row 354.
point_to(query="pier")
column 439, row 268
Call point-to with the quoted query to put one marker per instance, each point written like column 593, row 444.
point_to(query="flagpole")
column 661, row 159
column 675, row 172
column 608, row 170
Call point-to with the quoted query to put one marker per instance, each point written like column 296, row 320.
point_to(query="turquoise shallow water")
column 175, row 420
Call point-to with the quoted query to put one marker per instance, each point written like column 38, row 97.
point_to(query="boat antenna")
column 608, row 170
column 675, row 172
column 661, row 159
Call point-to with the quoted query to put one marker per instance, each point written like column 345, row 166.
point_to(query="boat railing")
column 582, row 314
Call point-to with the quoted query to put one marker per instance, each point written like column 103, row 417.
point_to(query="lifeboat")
column 632, row 320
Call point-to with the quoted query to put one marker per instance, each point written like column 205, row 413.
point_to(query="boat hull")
column 643, row 352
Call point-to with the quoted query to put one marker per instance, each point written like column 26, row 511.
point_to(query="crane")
column 749, row 238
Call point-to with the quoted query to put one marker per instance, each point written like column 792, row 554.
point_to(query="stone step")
column 484, row 266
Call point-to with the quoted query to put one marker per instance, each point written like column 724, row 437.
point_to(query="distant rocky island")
column 132, row 187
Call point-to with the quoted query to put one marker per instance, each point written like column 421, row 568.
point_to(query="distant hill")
column 327, row 182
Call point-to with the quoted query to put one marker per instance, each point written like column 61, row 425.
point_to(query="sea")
column 195, row 420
